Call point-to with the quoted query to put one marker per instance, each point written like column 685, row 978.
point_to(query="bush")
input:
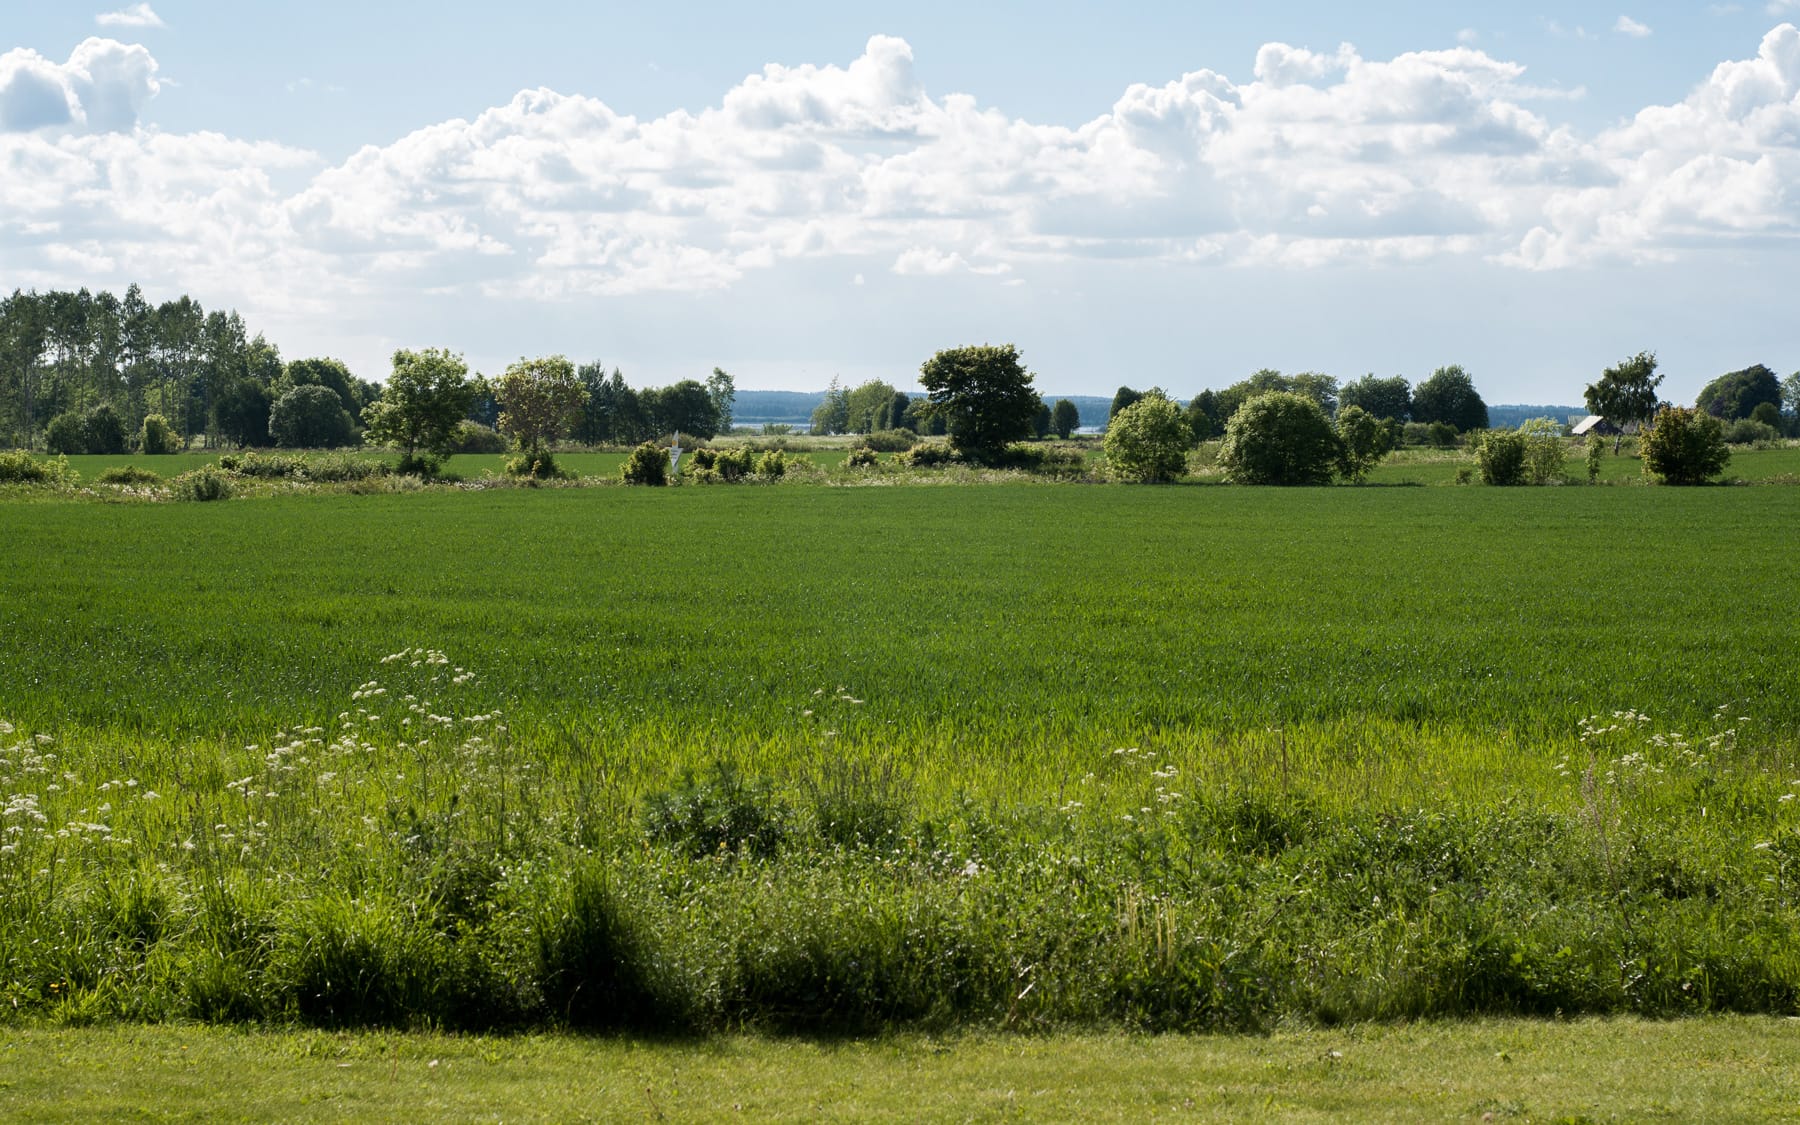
column 65, row 434
column 1768, row 414
column 1596, row 454
column 593, row 963
column 536, row 464
column 1683, row 446
column 105, row 431
column 773, row 465
column 22, row 468
column 889, row 441
column 202, row 484
column 473, row 437
column 265, row 466
column 648, row 464
column 862, row 459
column 1748, row 431
column 336, row 467
column 1279, row 438
column 1363, row 440
column 158, row 438
column 309, row 417
column 1147, row 441
column 929, row 456
column 1501, row 454
column 1545, row 455
column 127, row 474
column 722, row 813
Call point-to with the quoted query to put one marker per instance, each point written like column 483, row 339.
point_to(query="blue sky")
column 1171, row 194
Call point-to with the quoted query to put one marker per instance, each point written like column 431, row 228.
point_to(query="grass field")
column 815, row 758
column 1714, row 1070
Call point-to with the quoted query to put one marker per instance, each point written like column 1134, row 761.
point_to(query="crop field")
column 853, row 758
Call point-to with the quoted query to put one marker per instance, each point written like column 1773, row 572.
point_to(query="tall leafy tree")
column 1065, row 417
column 723, row 393
column 1737, row 394
column 426, row 397
column 867, row 407
column 833, row 415
column 540, row 399
column 1625, row 394
column 1449, row 396
column 985, row 396
column 1389, row 399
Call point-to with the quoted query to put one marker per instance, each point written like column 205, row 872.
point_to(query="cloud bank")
column 1315, row 158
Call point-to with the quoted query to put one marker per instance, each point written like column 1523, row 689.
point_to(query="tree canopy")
column 985, row 396
column 1625, row 394
column 1388, row 399
column 1737, row 394
column 426, row 397
column 1147, row 441
column 1449, row 396
column 1279, row 437
column 540, row 399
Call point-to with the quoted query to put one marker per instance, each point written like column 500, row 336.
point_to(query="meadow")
column 861, row 758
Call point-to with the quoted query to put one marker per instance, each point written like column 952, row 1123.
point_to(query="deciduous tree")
column 984, row 395
column 1625, row 394
column 427, row 395
column 540, row 399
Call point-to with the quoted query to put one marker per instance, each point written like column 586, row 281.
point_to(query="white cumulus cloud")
column 101, row 88
column 1628, row 26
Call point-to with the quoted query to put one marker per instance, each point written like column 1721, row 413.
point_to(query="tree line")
column 92, row 372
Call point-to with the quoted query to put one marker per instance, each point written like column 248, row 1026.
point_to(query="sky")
column 1169, row 194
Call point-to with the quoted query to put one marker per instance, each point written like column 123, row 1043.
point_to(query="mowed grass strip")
column 1715, row 1070
column 981, row 622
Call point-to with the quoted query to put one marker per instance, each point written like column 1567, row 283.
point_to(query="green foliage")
column 722, row 813
column 723, row 393
column 65, row 434
column 309, row 417
column 539, row 400
column 127, row 475
column 1065, row 418
column 1122, row 398
column 772, row 465
column 1501, row 455
column 1201, row 425
column 1363, row 440
column 157, row 437
column 1279, row 438
column 1545, row 454
column 864, row 458
column 1684, row 446
column 1737, row 394
column 648, row 464
column 1749, row 431
column 20, row 467
column 473, row 437
column 423, row 404
column 325, row 372
column 1147, row 441
column 984, row 395
column 536, row 464
column 1388, row 399
column 1449, row 396
column 202, row 484
column 241, row 412
column 889, row 441
column 597, row 963
column 930, row 455
column 1769, row 414
column 1626, row 392
column 1596, row 456
column 686, row 407
column 832, row 416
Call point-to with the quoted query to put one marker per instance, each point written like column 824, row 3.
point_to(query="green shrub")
column 333, row 468
column 1279, row 438
column 310, row 417
column 1501, row 455
column 1147, row 441
column 1749, row 431
column 1363, row 440
column 862, row 459
column 648, row 464
column 66, row 434
column 889, row 441
column 127, row 475
column 929, row 456
column 20, row 467
column 1596, row 455
column 772, row 465
column 1683, row 446
column 721, row 813
column 536, row 464
column 202, row 484
column 157, row 438
column 473, row 437
column 105, row 430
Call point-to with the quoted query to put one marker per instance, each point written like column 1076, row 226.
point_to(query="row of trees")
column 1447, row 398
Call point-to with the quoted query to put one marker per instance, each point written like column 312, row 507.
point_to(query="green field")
column 855, row 758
